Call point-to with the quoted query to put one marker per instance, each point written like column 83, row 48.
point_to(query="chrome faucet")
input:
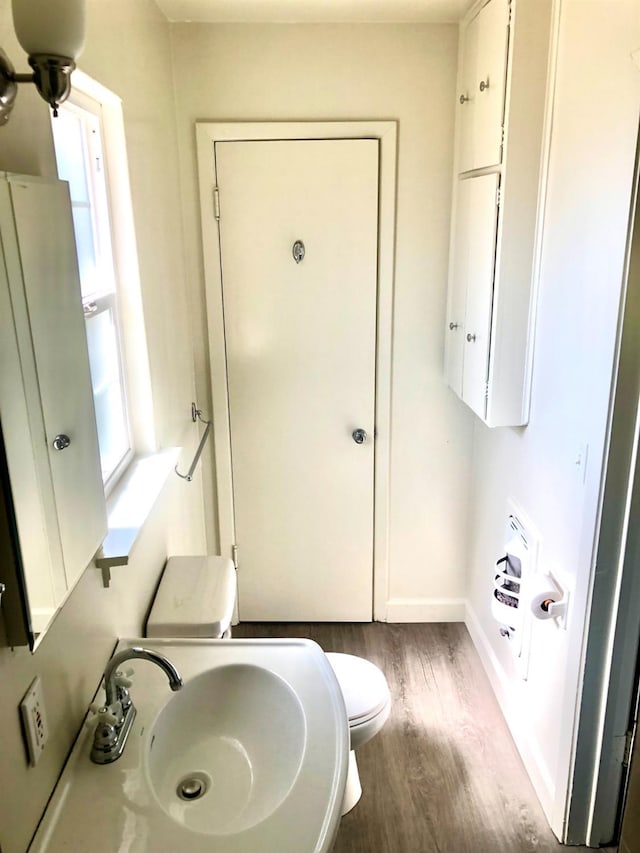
column 118, row 714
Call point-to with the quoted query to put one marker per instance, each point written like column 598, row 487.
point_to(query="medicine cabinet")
column 46, row 401
column 499, row 152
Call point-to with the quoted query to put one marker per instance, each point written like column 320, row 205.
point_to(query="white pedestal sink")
column 237, row 732
column 249, row 757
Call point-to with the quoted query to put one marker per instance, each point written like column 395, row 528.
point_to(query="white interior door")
column 300, row 345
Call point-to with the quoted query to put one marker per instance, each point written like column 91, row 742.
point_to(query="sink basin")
column 227, row 749
column 251, row 755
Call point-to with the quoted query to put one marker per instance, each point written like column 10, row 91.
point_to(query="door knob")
column 471, row 338
column 61, row 442
column 359, row 436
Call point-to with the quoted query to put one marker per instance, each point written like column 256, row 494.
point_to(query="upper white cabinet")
column 46, row 401
column 500, row 151
column 482, row 86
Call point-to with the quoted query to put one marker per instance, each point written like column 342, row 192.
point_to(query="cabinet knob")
column 470, row 337
column 463, row 99
column 359, row 436
column 484, row 85
column 453, row 326
column 61, row 442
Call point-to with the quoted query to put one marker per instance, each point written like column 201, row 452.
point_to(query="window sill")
column 129, row 506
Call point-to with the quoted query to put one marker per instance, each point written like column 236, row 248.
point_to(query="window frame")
column 125, row 301
column 106, row 297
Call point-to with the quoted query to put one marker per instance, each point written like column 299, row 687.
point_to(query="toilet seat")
column 364, row 687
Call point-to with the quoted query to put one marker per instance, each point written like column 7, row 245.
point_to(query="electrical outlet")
column 34, row 718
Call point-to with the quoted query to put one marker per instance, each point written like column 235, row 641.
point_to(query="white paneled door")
column 298, row 238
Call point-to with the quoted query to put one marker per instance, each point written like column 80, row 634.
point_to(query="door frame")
column 385, row 132
column 606, row 728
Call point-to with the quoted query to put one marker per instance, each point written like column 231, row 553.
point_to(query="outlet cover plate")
column 34, row 719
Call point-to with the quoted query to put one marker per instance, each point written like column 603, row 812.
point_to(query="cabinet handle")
column 453, row 326
column 471, row 337
column 484, row 85
column 464, row 98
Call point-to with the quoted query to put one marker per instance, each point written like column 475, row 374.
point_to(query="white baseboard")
column 505, row 692
column 425, row 610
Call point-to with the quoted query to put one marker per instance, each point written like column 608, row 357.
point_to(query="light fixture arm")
column 51, row 75
column 8, row 87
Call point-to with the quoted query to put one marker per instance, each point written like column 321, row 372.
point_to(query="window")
column 79, row 147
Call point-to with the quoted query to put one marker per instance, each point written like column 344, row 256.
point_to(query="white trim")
column 207, row 134
column 504, row 690
column 611, row 621
column 425, row 610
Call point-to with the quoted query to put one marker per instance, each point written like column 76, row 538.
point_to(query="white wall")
column 595, row 127
column 350, row 72
column 128, row 51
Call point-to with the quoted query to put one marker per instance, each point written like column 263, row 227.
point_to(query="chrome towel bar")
column 196, row 415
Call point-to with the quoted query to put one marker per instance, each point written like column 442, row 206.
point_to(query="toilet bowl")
column 368, row 703
column 196, row 598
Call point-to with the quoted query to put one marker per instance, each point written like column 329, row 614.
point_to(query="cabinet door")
column 491, row 69
column 468, row 95
column 43, row 224
column 454, row 331
column 22, row 431
column 479, row 198
column 484, row 71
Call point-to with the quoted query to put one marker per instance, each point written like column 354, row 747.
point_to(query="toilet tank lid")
column 195, row 598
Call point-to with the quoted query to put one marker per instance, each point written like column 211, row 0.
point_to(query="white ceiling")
column 314, row 11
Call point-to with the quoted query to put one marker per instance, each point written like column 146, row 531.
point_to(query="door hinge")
column 510, row 13
column 628, row 746
column 486, row 391
column 216, row 203
column 498, row 197
column 234, row 555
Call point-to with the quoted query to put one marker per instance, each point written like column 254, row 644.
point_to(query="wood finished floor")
column 443, row 776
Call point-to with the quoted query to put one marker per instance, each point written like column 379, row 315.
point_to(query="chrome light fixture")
column 52, row 34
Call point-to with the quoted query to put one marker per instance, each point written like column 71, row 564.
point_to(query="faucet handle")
column 105, row 737
column 123, row 679
column 104, row 714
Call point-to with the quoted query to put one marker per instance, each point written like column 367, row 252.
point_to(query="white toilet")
column 196, row 598
column 368, row 702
